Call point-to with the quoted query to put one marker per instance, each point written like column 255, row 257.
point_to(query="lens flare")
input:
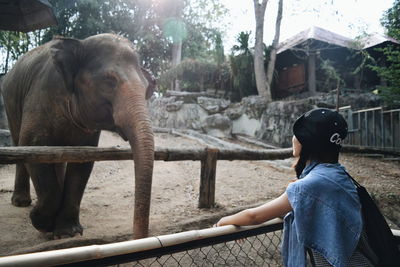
column 175, row 29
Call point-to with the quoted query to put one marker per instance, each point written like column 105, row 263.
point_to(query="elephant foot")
column 41, row 221
column 67, row 229
column 21, row 200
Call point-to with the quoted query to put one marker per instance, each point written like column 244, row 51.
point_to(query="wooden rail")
column 54, row 154
column 208, row 158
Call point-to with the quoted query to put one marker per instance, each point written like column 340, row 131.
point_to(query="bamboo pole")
column 79, row 254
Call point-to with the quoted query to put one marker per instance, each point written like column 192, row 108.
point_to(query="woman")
column 323, row 213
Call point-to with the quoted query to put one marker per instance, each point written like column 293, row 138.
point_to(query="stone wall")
column 253, row 117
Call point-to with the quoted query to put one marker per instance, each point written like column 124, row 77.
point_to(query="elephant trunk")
column 132, row 121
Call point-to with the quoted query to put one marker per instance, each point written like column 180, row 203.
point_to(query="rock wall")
column 269, row 122
column 216, row 117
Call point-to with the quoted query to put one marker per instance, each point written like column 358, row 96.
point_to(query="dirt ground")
column 107, row 205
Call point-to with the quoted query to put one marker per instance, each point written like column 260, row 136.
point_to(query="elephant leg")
column 21, row 196
column 49, row 196
column 67, row 221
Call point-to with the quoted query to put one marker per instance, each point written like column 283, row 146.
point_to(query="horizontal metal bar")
column 390, row 111
column 371, row 150
column 353, row 130
column 345, row 108
column 367, row 110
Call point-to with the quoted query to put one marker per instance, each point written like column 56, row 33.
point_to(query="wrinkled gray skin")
column 62, row 94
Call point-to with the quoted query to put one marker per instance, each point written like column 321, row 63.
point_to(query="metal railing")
column 220, row 246
column 373, row 127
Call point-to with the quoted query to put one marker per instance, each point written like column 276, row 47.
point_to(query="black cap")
column 320, row 128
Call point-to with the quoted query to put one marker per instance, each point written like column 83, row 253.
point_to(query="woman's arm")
column 276, row 208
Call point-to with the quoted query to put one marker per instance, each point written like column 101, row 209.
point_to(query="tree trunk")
column 176, row 60
column 272, row 58
column 261, row 79
column 177, row 12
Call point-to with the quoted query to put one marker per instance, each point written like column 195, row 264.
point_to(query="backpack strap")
column 354, row 181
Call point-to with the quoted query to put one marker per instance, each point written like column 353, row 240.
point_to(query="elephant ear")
column 65, row 53
column 152, row 84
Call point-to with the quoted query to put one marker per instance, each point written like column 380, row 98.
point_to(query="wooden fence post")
column 207, row 178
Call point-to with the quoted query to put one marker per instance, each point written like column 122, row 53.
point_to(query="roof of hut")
column 319, row 34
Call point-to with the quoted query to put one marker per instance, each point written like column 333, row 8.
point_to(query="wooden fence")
column 208, row 158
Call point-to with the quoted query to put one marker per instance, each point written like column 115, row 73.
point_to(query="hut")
column 319, row 60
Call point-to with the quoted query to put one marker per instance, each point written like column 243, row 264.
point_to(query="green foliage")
column 332, row 77
column 242, row 69
column 194, row 75
column 13, row 45
column 219, row 55
column 136, row 20
column 391, row 20
column 149, row 24
column 391, row 74
column 204, row 22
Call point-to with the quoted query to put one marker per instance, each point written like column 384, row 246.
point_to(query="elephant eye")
column 110, row 80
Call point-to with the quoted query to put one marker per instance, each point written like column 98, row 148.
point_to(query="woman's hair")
column 301, row 162
column 320, row 155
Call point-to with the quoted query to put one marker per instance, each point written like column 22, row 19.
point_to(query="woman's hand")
column 222, row 222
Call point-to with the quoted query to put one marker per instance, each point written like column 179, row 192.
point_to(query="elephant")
column 63, row 93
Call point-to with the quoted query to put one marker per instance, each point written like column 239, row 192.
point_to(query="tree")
column 261, row 78
column 391, row 20
column 391, row 71
column 264, row 79
column 175, row 29
column 242, row 66
column 194, row 75
column 192, row 26
column 197, row 24
column 219, row 55
column 274, row 48
column 14, row 45
column 391, row 74
column 136, row 20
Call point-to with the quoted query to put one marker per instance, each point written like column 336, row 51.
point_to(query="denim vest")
column 326, row 216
